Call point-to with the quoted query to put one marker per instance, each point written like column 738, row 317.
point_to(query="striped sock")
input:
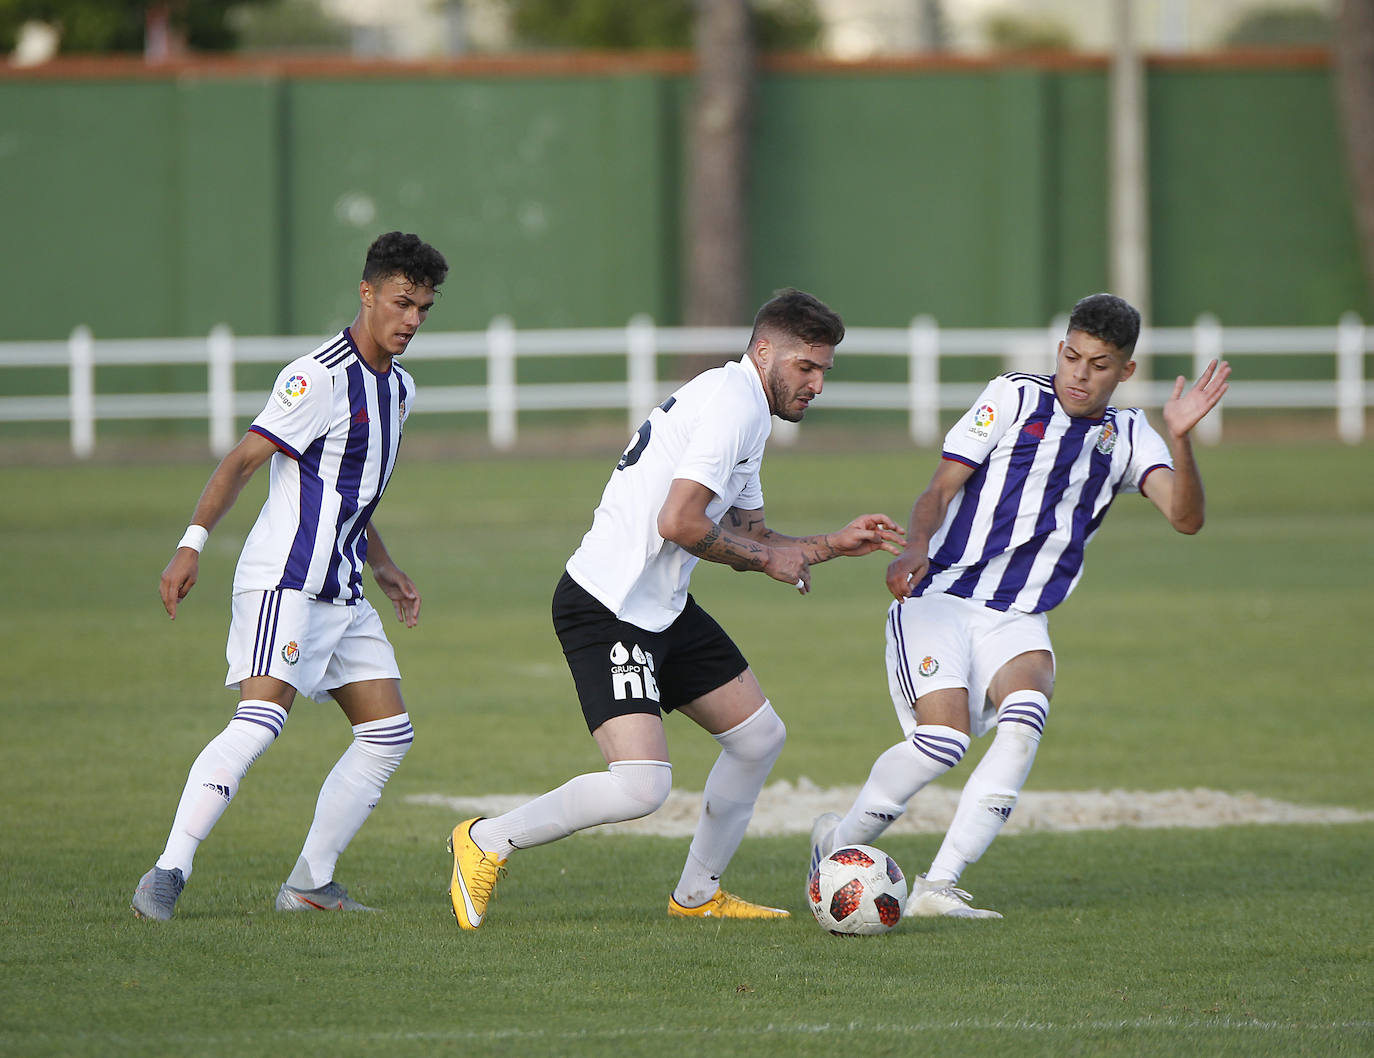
column 215, row 776
column 897, row 775
column 995, row 785
column 349, row 794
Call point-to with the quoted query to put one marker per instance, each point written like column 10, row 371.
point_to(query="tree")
column 1280, row 26
column 1354, row 54
column 718, row 165
column 1009, row 31
column 288, row 25
column 120, row 25
column 776, row 25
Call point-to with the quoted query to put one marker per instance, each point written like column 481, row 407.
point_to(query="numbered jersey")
column 711, row 431
column 337, row 424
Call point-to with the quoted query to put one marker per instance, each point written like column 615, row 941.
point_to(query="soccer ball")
column 857, row 890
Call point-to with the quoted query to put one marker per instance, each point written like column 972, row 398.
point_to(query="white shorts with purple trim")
column 314, row 646
column 936, row 642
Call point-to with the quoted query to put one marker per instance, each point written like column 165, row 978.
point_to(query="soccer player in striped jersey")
column 995, row 542
column 638, row 645
column 299, row 622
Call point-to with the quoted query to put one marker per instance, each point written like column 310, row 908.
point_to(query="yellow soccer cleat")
column 725, row 905
column 474, row 876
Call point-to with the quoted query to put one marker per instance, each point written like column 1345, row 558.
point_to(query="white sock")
column 628, row 789
column 349, row 794
column 991, row 791
column 748, row 751
column 897, row 775
column 215, row 776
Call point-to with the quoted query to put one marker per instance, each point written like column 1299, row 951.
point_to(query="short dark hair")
column 397, row 254
column 1107, row 318
column 799, row 315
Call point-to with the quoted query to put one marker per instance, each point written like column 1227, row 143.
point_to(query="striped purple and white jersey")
column 1013, row 536
column 337, row 423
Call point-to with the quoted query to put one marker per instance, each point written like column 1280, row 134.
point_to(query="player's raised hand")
column 178, row 578
column 401, row 590
column 868, row 533
column 1182, row 411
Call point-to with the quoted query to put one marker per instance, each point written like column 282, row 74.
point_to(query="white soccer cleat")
column 822, row 839
column 941, row 898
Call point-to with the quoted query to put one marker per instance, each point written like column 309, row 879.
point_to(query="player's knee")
column 939, row 744
column 1023, row 714
column 759, row 738
column 645, row 784
column 383, row 744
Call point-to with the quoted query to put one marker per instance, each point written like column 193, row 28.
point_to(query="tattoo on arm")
column 716, row 546
column 746, row 523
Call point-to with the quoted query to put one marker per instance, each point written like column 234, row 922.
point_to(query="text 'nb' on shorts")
column 619, row 668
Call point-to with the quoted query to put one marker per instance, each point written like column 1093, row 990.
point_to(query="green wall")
column 160, row 206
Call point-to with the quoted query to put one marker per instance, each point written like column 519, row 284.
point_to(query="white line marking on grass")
column 854, row 1027
column 789, row 808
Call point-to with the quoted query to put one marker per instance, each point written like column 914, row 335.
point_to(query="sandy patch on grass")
column 789, row 808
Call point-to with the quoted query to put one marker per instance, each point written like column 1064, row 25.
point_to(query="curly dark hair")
column 1107, row 318
column 799, row 315
column 397, row 254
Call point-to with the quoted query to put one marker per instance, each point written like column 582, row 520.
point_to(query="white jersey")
column 1014, row 535
column 337, row 423
column 712, row 430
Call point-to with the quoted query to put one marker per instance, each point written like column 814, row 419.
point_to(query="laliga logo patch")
column 291, row 653
column 983, row 417
column 1107, row 441
column 929, row 666
column 290, row 392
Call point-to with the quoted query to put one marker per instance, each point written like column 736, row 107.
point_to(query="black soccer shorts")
column 619, row 668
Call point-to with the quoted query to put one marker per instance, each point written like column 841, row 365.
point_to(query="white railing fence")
column 501, row 398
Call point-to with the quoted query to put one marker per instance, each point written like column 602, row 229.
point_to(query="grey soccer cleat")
column 941, row 898
column 822, row 838
column 157, row 892
column 329, row 897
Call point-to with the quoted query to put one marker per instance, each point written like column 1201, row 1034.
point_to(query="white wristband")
column 195, row 537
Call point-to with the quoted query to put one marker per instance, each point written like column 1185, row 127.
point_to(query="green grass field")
column 1236, row 660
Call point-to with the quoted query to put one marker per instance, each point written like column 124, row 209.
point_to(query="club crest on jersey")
column 1106, row 441
column 632, row 673
column 291, row 653
column 983, row 417
column 290, row 392
column 929, row 666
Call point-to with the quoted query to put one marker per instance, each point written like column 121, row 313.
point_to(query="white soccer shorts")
column 313, row 646
column 939, row 641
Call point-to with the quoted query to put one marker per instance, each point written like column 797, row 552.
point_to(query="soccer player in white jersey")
column 638, row 645
column 996, row 540
column 299, row 623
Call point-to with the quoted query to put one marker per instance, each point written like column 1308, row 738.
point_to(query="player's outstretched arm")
column 219, row 494
column 400, row 589
column 1178, row 493
column 683, row 520
column 864, row 535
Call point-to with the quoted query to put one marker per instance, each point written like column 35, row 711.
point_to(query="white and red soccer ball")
column 857, row 890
